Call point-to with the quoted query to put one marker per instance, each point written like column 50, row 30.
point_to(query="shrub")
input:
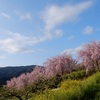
column 75, row 75
column 90, row 87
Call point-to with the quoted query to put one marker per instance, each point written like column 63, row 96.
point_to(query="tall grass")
column 87, row 89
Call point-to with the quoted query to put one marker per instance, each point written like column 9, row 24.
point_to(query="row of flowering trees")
column 58, row 65
column 24, row 84
column 89, row 56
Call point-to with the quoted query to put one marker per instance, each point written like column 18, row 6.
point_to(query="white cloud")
column 11, row 45
column 88, row 30
column 18, row 43
column 14, row 43
column 55, row 15
column 5, row 15
column 49, row 34
column 52, row 16
column 73, row 51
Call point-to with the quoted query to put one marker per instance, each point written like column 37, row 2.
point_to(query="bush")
column 91, row 87
column 75, row 75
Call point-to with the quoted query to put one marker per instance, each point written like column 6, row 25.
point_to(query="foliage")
column 76, row 75
column 91, row 87
column 87, row 89
column 69, row 89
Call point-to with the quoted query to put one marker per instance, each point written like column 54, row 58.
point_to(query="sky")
column 31, row 31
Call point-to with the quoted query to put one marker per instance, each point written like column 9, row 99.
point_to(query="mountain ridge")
column 8, row 72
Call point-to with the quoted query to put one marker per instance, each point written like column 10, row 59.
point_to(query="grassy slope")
column 71, row 89
column 74, row 86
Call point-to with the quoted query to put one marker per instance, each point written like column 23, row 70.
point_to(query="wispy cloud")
column 5, row 15
column 73, row 51
column 11, row 45
column 55, row 15
column 49, row 34
column 52, row 17
column 88, row 30
column 16, row 42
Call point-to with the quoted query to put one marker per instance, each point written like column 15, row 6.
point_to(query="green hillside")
column 73, row 86
column 73, row 89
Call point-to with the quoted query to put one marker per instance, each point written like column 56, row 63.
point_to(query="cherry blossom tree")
column 90, row 56
column 21, row 86
column 59, row 65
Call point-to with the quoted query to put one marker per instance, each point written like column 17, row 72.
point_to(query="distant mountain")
column 6, row 73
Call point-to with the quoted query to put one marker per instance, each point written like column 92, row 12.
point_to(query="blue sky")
column 32, row 31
